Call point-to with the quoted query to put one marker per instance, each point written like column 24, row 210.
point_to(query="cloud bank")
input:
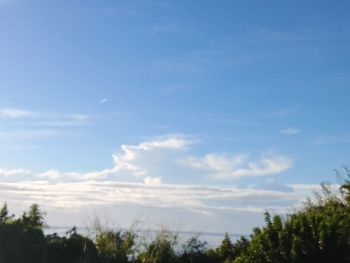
column 157, row 174
column 171, row 156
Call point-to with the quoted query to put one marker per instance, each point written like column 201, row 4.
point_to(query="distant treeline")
column 318, row 232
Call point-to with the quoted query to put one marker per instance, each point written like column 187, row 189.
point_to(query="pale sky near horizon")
column 196, row 115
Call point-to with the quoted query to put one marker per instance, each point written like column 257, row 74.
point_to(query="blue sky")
column 172, row 111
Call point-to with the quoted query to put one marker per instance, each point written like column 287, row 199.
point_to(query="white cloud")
column 152, row 180
column 168, row 158
column 139, row 180
column 172, row 142
column 12, row 113
column 51, row 174
column 134, row 161
column 45, row 118
column 233, row 167
column 29, row 134
column 192, row 207
column 13, row 172
column 111, row 193
column 58, row 175
column 103, row 100
column 142, row 159
column 290, row 131
column 79, row 117
column 32, row 125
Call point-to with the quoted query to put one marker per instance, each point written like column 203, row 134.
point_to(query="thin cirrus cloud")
column 290, row 131
column 37, row 125
column 30, row 134
column 13, row 113
column 42, row 118
column 332, row 139
column 287, row 112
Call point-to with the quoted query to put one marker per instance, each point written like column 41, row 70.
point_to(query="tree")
column 161, row 249
column 115, row 246
column 72, row 248
column 34, row 218
column 225, row 250
column 319, row 232
column 194, row 251
column 4, row 214
column 20, row 241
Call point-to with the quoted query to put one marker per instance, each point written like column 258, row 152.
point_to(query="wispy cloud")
column 23, row 124
column 287, row 112
column 332, row 139
column 290, row 131
column 79, row 117
column 117, row 11
column 103, row 101
column 152, row 180
column 27, row 134
column 269, row 36
column 155, row 202
column 42, row 118
column 13, row 113
column 77, row 176
column 6, row 173
column 192, row 197
column 233, row 167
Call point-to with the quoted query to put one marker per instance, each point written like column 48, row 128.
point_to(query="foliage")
column 320, row 232
column 161, row 249
column 21, row 240
column 72, row 248
column 194, row 250
column 115, row 246
column 34, row 218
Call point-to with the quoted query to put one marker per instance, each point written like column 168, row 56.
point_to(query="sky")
column 194, row 115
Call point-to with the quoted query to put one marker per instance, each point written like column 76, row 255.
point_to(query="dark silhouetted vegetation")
column 318, row 232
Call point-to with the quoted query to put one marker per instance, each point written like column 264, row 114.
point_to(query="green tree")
column 20, row 242
column 72, row 248
column 116, row 246
column 34, row 217
column 4, row 217
column 194, row 250
column 319, row 232
column 161, row 249
column 225, row 250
